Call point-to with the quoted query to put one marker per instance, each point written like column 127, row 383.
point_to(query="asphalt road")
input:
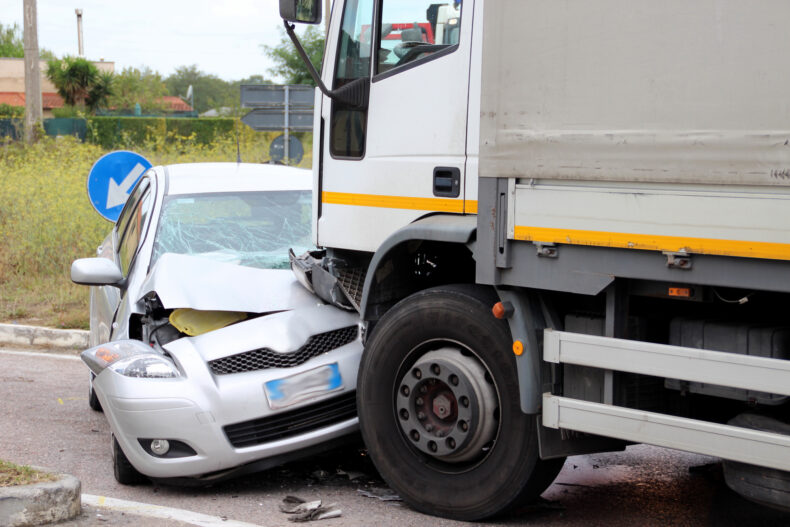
column 45, row 421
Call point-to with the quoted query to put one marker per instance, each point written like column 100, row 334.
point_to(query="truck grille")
column 293, row 422
column 264, row 358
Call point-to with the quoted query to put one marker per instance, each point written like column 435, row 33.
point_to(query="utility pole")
column 79, row 32
column 32, row 71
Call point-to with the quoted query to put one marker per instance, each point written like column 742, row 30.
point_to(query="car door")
column 128, row 235
column 404, row 156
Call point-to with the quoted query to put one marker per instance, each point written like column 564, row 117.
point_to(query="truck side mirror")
column 304, row 11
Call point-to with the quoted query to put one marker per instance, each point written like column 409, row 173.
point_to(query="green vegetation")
column 12, row 475
column 138, row 86
column 46, row 220
column 289, row 64
column 11, row 43
column 80, row 83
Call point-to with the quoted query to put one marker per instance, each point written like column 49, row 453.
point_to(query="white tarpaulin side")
column 636, row 91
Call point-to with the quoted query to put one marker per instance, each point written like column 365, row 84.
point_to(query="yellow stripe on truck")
column 400, row 202
column 773, row 251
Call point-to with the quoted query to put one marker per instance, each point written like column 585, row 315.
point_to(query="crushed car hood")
column 204, row 284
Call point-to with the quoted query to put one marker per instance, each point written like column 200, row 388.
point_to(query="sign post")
column 279, row 107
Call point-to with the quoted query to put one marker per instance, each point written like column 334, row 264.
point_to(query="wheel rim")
column 446, row 405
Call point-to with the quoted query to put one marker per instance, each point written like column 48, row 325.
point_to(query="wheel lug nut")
column 419, row 401
column 432, row 446
column 421, row 416
column 429, row 427
column 465, row 401
column 454, row 380
column 463, row 425
column 404, row 414
column 417, row 373
column 423, row 389
column 450, row 443
column 405, row 390
column 436, row 369
column 415, row 435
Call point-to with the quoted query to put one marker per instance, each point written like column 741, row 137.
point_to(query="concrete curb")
column 19, row 335
column 40, row 503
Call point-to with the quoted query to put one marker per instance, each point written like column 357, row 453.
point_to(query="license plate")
column 310, row 384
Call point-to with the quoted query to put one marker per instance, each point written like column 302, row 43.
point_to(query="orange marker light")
column 684, row 292
column 518, row 348
column 106, row 355
column 498, row 310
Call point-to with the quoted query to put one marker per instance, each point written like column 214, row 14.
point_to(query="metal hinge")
column 678, row 260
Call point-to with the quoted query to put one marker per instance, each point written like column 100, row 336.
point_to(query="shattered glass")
column 253, row 229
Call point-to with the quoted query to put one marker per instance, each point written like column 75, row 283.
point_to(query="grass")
column 46, row 220
column 12, row 475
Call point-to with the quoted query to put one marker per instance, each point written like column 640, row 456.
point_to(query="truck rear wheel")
column 439, row 410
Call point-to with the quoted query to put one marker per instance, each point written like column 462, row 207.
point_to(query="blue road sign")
column 112, row 178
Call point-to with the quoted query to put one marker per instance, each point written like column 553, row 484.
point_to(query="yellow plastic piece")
column 194, row 322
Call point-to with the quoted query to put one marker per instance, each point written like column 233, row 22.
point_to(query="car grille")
column 293, row 422
column 264, row 358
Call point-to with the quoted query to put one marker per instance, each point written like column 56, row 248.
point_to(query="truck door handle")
column 447, row 182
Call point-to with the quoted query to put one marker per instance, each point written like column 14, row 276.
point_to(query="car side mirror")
column 96, row 271
column 304, row 11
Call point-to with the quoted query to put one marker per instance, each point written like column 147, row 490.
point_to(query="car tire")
column 124, row 472
column 93, row 400
column 439, row 407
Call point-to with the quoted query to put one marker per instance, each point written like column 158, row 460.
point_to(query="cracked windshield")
column 253, row 229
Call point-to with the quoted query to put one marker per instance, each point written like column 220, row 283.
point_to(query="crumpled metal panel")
column 203, row 284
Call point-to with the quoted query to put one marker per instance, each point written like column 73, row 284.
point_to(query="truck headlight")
column 130, row 358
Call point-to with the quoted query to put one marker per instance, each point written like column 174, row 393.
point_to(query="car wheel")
column 124, row 472
column 93, row 401
column 438, row 401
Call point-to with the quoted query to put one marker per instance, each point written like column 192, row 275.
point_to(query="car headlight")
column 130, row 358
column 150, row 366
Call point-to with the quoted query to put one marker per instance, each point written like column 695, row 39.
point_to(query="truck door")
column 404, row 155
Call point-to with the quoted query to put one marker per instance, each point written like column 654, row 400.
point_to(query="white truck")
column 566, row 230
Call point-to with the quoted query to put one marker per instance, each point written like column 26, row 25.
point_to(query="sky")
column 223, row 37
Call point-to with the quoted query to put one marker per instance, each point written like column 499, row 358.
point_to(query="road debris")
column 305, row 511
column 382, row 494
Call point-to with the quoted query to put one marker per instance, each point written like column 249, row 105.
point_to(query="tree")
column 209, row 90
column 79, row 82
column 288, row 63
column 134, row 86
column 11, row 44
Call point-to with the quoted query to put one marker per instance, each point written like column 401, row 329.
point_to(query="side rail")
column 754, row 447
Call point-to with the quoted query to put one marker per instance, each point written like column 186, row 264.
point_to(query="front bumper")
column 211, row 413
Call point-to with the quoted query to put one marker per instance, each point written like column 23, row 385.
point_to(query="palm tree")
column 79, row 82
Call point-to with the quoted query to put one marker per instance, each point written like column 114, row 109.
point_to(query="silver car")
column 209, row 359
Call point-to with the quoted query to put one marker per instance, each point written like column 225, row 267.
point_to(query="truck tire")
column 124, row 472
column 438, row 402
column 766, row 486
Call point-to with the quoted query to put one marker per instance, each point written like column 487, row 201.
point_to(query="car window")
column 131, row 202
column 253, row 229
column 134, row 224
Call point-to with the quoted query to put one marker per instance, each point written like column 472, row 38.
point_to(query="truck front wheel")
column 438, row 402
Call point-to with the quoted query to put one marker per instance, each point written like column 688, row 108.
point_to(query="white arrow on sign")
column 117, row 194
